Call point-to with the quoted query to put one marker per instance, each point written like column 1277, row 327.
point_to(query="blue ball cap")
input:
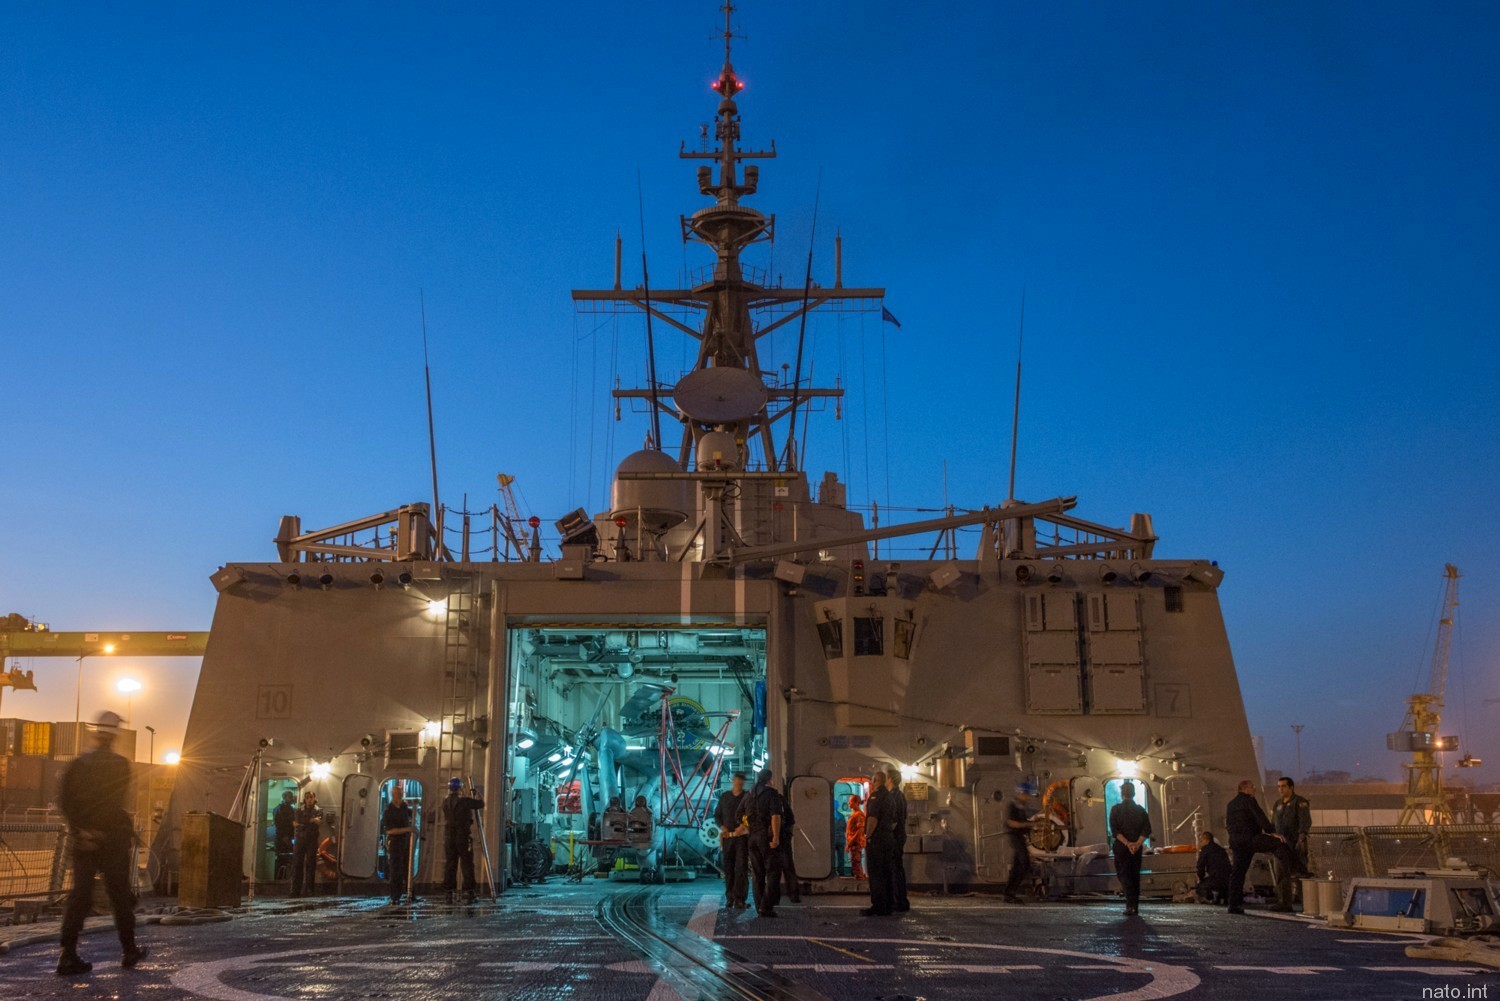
column 1029, row 788
column 455, row 784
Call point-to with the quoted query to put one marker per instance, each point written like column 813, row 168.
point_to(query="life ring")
column 1057, row 801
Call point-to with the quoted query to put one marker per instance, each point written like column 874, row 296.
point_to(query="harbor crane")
column 1426, row 801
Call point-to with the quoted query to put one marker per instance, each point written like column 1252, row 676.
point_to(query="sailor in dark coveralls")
column 396, row 823
column 1213, row 870
column 898, row 866
column 458, row 838
column 305, row 847
column 1129, row 827
column 94, row 789
column 734, row 843
column 1250, row 831
column 285, row 820
column 765, row 808
column 1018, row 834
column 788, row 865
column 880, row 847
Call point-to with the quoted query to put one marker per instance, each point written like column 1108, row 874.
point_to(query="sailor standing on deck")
column 898, row 863
column 788, row 836
column 1129, row 827
column 1250, row 832
column 880, row 847
column 1292, row 817
column 305, row 848
column 396, row 824
column 734, row 841
column 285, row 819
column 765, row 808
column 458, row 838
column 1018, row 835
column 94, row 790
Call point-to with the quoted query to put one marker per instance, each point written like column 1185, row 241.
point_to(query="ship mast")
column 727, row 390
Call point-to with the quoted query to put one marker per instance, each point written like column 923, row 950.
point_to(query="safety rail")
column 1374, row 851
column 33, row 859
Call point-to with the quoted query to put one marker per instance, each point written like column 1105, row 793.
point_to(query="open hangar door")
column 614, row 726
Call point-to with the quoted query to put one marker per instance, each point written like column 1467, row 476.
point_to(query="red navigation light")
column 739, row 85
column 621, row 521
column 534, row 521
column 714, row 85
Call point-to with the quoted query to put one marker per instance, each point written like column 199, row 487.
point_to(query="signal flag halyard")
column 886, row 316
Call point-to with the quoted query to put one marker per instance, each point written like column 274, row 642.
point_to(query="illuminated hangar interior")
column 603, row 714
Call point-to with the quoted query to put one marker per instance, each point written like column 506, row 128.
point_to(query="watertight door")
column 812, row 841
column 1186, row 808
column 359, row 826
column 1090, row 822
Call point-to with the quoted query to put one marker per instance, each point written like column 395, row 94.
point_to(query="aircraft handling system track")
column 688, row 959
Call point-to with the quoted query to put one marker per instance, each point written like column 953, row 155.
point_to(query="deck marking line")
column 705, row 916
column 1166, row 980
column 1436, row 971
column 852, row 955
column 1291, row 971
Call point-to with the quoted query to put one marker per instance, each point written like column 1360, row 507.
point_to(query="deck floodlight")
column 294, row 581
column 325, row 580
column 789, row 572
column 1140, row 574
column 404, row 579
column 945, row 576
column 1023, row 573
column 1108, row 574
column 377, row 579
column 1055, row 575
column 172, row 758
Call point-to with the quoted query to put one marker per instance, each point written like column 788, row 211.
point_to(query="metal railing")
column 1374, row 851
column 33, row 859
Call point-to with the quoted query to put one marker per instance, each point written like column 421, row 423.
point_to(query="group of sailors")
column 756, row 830
column 298, row 825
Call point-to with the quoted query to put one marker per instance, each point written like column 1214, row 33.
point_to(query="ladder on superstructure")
column 462, row 681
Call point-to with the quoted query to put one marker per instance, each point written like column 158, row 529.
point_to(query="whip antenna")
column 437, row 511
column 791, row 434
column 650, row 341
column 1015, row 420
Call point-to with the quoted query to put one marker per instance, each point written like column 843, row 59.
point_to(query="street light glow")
column 171, row 757
column 109, row 648
column 128, row 686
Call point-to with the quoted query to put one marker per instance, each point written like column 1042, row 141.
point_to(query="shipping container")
column 10, row 736
column 36, row 739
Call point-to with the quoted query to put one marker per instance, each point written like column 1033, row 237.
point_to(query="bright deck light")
column 322, row 769
column 128, row 686
column 172, row 758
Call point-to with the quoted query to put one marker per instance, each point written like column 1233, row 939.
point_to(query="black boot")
column 132, row 955
column 70, row 965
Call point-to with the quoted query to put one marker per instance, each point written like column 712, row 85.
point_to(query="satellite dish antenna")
column 720, row 395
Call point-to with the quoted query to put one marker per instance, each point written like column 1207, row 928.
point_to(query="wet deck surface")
column 606, row 942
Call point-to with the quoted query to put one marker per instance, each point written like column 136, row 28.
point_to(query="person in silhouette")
column 94, row 792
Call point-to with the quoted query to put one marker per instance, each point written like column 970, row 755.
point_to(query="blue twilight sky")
column 1258, row 243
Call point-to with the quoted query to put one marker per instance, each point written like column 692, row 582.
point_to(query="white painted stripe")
column 685, row 594
column 833, row 967
column 705, row 916
column 1290, row 971
column 663, row 991
column 970, row 968
column 1436, row 971
column 1165, row 980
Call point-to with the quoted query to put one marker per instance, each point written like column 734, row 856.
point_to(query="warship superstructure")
column 724, row 613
